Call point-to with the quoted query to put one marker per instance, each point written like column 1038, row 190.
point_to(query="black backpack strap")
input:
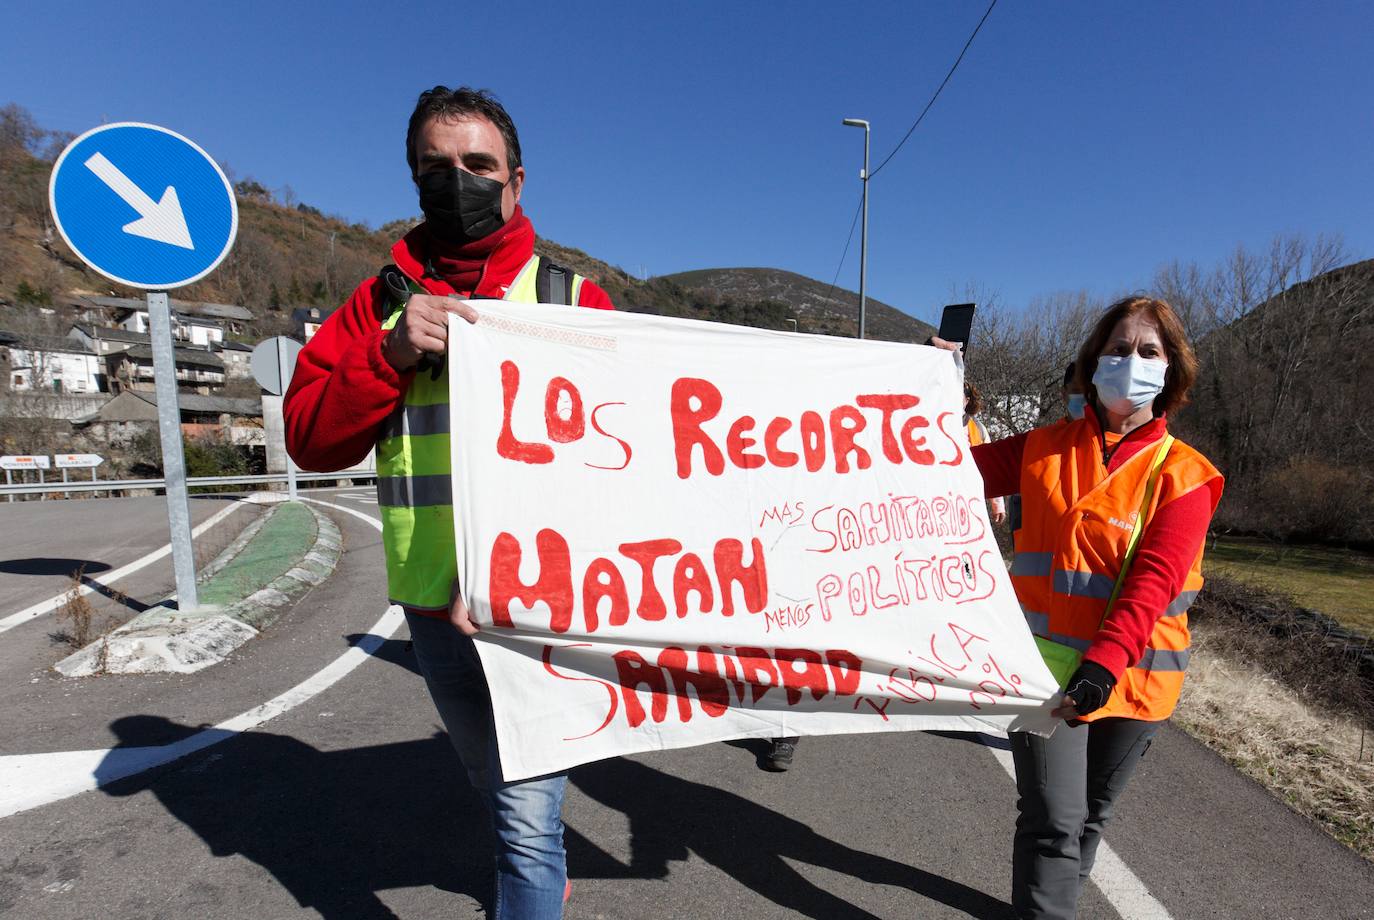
column 394, row 286
column 397, row 292
column 553, row 283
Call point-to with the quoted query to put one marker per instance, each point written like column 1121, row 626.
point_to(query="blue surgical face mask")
column 1076, row 403
column 1126, row 385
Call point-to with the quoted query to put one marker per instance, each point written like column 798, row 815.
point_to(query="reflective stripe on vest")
column 414, row 481
column 1076, row 522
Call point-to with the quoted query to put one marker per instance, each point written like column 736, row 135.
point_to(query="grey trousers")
column 1067, row 785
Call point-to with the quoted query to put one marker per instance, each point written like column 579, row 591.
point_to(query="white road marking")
column 31, row 780
column 1122, row 888
column 106, row 578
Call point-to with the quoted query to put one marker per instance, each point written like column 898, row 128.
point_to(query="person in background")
column 1071, row 391
column 778, row 757
column 1087, row 484
column 977, row 434
column 375, row 374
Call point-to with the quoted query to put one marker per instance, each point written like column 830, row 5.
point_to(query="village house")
column 133, row 412
column 237, row 358
column 308, row 321
column 194, row 322
column 51, row 364
column 197, row 369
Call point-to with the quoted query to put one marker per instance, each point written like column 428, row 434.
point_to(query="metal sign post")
column 173, row 455
column 24, row 462
column 285, row 384
column 148, row 208
column 273, row 364
column 78, row 462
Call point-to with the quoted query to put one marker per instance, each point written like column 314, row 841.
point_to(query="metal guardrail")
column 125, row 485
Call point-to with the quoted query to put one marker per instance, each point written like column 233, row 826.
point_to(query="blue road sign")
column 143, row 205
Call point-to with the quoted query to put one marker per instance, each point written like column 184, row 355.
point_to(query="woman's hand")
column 1087, row 691
column 937, row 342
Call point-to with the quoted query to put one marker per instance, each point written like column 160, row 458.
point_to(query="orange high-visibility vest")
column 1076, row 524
column 975, row 433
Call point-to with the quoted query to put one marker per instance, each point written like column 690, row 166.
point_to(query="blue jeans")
column 531, row 867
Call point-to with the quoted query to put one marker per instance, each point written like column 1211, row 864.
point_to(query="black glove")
column 1090, row 686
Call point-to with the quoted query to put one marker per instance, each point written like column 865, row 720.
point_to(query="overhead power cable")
column 938, row 90
column 849, row 239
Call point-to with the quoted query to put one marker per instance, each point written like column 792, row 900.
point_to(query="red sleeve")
column 1166, row 553
column 343, row 388
column 592, row 296
column 999, row 463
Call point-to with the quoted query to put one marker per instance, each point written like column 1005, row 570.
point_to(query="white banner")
column 673, row 532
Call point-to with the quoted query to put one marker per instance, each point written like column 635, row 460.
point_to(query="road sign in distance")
column 266, row 363
column 24, row 462
column 77, row 461
column 143, row 205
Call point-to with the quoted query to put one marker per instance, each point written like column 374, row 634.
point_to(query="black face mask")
column 460, row 207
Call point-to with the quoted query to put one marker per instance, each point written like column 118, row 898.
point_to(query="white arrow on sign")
column 160, row 221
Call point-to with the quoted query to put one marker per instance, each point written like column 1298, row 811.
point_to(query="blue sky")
column 1080, row 144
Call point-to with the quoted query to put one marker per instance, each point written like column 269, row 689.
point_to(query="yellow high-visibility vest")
column 414, row 484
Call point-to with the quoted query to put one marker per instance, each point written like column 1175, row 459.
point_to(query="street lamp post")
column 863, row 235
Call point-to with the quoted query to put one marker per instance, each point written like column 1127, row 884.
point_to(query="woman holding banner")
column 1108, row 557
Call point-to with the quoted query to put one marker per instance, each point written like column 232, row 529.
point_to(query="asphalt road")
column 45, row 542
column 350, row 805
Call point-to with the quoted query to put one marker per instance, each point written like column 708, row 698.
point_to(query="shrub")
column 1311, row 653
column 1309, row 499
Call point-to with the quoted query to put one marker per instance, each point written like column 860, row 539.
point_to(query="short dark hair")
column 1178, row 380
column 1068, row 375
column 463, row 102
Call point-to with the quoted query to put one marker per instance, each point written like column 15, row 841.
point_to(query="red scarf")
column 461, row 264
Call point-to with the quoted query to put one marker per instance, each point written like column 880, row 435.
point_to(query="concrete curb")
column 163, row 639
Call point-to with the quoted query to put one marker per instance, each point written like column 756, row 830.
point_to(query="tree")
column 19, row 131
column 1018, row 359
column 1284, row 348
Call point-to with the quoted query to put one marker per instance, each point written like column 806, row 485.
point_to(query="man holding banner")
column 375, row 375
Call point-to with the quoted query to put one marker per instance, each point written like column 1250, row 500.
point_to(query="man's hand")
column 998, row 517
column 458, row 612
column 422, row 329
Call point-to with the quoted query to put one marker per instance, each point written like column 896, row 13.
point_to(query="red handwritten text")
column 695, row 402
column 604, row 581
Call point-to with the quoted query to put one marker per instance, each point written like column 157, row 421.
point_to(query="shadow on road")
column 45, row 565
column 672, row 817
column 332, row 827
column 992, row 741
column 392, row 651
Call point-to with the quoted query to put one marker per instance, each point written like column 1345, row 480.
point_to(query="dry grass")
column 75, row 614
column 1270, row 690
column 1306, row 755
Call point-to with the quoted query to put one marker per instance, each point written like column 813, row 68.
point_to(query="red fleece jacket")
column 1162, row 560
column 344, row 389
